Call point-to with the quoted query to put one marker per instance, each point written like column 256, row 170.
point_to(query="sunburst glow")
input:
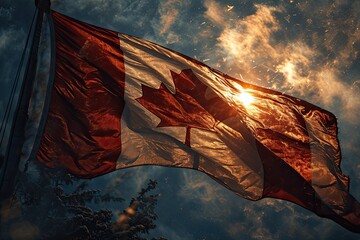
column 245, row 98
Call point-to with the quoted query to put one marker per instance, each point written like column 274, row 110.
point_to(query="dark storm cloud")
column 6, row 12
column 10, row 44
column 132, row 17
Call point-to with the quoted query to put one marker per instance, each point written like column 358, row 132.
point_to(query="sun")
column 245, row 98
column 242, row 96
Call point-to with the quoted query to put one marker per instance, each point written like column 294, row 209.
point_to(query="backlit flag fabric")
column 119, row 101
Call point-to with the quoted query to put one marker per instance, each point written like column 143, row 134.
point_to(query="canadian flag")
column 119, row 101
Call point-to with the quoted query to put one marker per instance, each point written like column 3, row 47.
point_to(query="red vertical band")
column 82, row 132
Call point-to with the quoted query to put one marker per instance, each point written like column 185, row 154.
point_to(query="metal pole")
column 10, row 167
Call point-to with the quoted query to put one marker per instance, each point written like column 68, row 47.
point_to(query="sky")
column 307, row 49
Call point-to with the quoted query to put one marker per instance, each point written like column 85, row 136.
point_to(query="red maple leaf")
column 193, row 105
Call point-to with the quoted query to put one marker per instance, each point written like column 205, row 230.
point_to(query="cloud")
column 339, row 28
column 277, row 219
column 252, row 50
column 173, row 234
column 243, row 45
column 250, row 38
column 235, row 229
column 131, row 180
column 8, row 36
column 95, row 5
column 6, row 12
column 11, row 40
column 125, row 16
column 169, row 12
column 239, row 217
column 213, row 199
column 331, row 87
column 247, row 38
column 11, row 43
column 213, row 12
column 198, row 187
column 261, row 233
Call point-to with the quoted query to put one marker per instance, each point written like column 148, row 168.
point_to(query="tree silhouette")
column 59, row 205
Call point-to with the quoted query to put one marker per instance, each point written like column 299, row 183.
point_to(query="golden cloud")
column 169, row 13
column 213, row 12
column 291, row 65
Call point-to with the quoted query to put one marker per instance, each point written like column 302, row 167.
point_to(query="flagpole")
column 12, row 157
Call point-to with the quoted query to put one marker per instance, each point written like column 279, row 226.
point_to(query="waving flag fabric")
column 119, row 101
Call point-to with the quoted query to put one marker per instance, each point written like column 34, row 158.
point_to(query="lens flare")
column 242, row 96
column 245, row 98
